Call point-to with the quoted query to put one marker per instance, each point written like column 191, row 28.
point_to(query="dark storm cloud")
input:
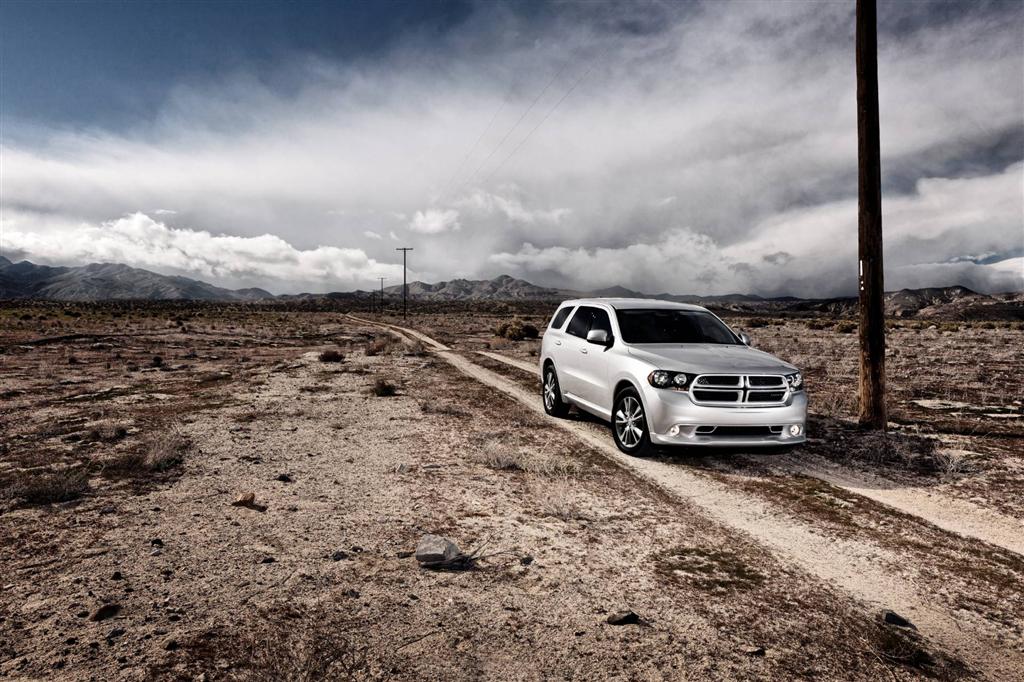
column 678, row 147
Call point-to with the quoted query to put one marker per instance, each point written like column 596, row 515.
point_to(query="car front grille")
column 742, row 431
column 739, row 390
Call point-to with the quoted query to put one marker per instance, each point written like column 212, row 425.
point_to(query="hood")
column 704, row 358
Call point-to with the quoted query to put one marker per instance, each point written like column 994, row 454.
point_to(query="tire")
column 629, row 424
column 551, row 394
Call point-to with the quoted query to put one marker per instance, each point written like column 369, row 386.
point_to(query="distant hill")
column 106, row 281
column 502, row 287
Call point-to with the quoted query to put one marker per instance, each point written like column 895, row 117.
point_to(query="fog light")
column 674, row 431
column 794, row 430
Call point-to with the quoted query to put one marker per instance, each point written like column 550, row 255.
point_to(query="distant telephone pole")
column 405, row 287
column 382, row 294
column 871, row 285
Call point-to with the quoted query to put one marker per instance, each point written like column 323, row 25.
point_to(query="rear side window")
column 587, row 318
column 559, row 319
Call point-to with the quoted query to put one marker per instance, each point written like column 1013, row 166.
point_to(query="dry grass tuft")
column 433, row 407
column 504, row 457
column 160, row 453
column 284, row 644
column 332, row 356
column 558, row 499
column 48, row 487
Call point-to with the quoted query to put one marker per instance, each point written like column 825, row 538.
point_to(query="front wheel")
column 552, row 394
column 629, row 424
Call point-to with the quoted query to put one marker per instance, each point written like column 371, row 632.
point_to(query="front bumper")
column 740, row 426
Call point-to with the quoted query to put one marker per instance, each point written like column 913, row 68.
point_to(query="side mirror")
column 745, row 338
column 598, row 336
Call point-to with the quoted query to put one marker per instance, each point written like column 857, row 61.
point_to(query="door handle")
column 583, row 350
column 557, row 342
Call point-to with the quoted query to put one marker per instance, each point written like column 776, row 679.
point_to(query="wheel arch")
column 622, row 385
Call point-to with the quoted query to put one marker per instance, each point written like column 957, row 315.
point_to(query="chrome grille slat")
column 740, row 390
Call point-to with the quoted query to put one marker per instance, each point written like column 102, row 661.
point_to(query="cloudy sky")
column 688, row 147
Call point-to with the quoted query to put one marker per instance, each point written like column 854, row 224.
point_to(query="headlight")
column 661, row 378
column 795, row 380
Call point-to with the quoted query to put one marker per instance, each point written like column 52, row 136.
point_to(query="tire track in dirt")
column 948, row 513
column 864, row 570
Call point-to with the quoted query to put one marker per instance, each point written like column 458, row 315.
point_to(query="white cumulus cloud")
column 144, row 242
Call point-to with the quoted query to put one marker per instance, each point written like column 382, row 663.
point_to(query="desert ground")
column 235, row 492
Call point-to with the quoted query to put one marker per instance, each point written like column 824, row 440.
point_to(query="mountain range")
column 114, row 281
column 106, row 281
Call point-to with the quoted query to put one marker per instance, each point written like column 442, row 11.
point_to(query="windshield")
column 673, row 326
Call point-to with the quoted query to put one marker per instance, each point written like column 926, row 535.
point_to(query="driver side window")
column 586, row 319
column 601, row 321
column 579, row 325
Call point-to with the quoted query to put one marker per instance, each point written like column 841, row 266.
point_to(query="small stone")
column 104, row 612
column 115, row 633
column 339, row 556
column 156, row 542
column 753, row 650
column 353, row 593
column 156, row 552
column 117, row 576
column 893, row 618
column 248, row 500
column 267, row 560
column 404, row 554
column 526, row 560
column 434, row 549
column 626, row 617
column 171, row 645
column 284, row 478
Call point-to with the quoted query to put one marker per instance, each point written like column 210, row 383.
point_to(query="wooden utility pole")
column 405, row 287
column 869, row 221
column 382, row 294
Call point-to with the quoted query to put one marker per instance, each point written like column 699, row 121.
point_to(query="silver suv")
column 668, row 374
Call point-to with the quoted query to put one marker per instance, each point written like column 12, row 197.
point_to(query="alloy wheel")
column 629, row 422
column 550, row 390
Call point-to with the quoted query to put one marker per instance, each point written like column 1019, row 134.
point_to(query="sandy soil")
column 737, row 568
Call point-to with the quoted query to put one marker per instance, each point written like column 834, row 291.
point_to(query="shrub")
column 846, row 327
column 758, row 322
column 383, row 388
column 379, row 344
column 157, row 361
column 332, row 356
column 819, row 324
column 516, row 330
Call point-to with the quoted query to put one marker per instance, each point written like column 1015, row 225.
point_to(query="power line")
column 516, row 125
column 458, row 169
column 545, row 118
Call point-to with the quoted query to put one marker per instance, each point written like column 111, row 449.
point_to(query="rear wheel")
column 629, row 424
column 552, row 394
